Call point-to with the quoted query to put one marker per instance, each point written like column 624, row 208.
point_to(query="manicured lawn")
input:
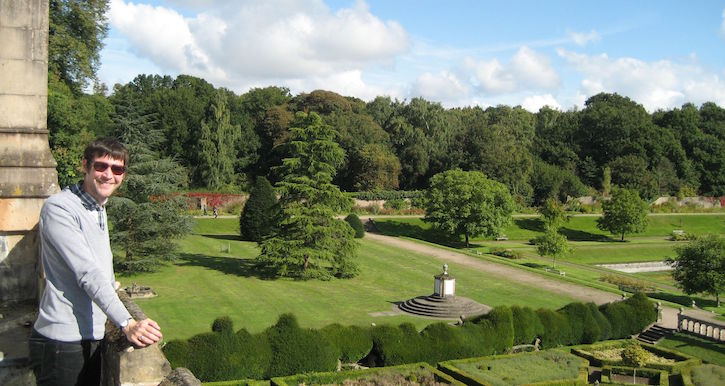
column 523, row 368
column 707, row 350
column 208, row 283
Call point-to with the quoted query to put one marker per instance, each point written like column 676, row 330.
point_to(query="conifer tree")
column 309, row 242
column 217, row 144
column 260, row 211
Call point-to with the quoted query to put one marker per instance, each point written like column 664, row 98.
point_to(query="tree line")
column 224, row 140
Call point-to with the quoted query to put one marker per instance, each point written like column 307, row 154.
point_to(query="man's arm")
column 143, row 333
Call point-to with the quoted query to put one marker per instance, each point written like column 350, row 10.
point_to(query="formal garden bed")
column 549, row 367
column 412, row 374
column 610, row 354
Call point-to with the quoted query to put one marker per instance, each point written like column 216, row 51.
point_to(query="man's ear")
column 84, row 166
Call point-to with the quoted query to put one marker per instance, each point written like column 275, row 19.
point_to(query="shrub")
column 296, row 350
column 627, row 283
column 396, row 345
column 630, row 316
column 527, row 326
column 583, row 328
column 352, row 343
column 396, row 204
column 260, row 212
column 223, row 324
column 354, row 221
column 507, row 253
column 387, row 195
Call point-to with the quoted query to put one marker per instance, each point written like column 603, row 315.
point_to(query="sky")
column 661, row 54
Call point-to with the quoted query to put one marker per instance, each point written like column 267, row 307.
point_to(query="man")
column 80, row 286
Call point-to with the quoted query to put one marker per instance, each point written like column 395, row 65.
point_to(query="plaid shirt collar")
column 89, row 202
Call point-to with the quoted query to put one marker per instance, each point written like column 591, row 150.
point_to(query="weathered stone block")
column 18, row 266
column 23, row 77
column 25, row 149
column 19, row 214
column 27, row 13
column 28, row 182
column 23, row 111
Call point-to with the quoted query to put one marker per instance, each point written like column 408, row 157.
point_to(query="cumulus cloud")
column 444, row 87
column 581, row 38
column 535, row 102
column 658, row 84
column 237, row 42
column 527, row 69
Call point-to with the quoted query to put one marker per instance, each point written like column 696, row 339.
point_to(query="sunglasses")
column 115, row 169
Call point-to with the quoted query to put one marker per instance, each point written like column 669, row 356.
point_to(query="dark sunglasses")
column 115, row 169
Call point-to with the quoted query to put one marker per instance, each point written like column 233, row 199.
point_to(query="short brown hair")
column 105, row 146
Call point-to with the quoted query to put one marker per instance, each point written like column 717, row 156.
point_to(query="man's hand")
column 143, row 333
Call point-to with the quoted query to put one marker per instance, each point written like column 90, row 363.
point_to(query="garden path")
column 587, row 294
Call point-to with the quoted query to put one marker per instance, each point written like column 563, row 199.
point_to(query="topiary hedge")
column 286, row 348
column 354, row 221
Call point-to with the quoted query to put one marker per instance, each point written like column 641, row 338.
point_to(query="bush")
column 387, row 195
column 354, row 221
column 507, row 253
column 296, row 350
column 223, row 325
column 583, row 328
column 260, row 212
column 396, row 204
column 396, row 345
column 527, row 326
column 627, row 283
column 556, row 330
column 352, row 343
column 630, row 316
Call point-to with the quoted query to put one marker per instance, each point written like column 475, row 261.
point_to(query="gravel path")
column 587, row 294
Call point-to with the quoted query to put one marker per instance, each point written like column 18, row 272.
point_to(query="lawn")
column 707, row 350
column 524, row 368
column 209, row 282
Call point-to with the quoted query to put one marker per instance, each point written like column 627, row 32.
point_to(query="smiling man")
column 80, row 293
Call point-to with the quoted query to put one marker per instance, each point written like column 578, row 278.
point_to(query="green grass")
column 707, row 375
column 208, row 283
column 707, row 350
column 523, row 368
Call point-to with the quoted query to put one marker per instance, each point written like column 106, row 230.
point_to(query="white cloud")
column 243, row 42
column 444, row 87
column 659, row 84
column 535, row 102
column 527, row 69
column 582, row 39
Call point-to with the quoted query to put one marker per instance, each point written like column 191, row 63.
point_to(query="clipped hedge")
column 682, row 361
column 387, row 195
column 630, row 316
column 412, row 373
column 296, row 350
column 354, row 221
column 352, row 342
column 660, row 376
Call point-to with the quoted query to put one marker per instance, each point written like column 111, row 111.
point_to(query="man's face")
column 101, row 179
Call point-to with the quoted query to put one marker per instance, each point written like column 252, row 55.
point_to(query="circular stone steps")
column 450, row 307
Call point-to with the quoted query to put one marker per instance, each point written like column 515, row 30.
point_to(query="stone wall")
column 27, row 169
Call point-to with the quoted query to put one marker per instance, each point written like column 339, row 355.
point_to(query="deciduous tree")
column 624, row 213
column 700, row 266
column 468, row 204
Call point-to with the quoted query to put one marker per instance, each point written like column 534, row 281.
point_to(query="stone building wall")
column 27, row 168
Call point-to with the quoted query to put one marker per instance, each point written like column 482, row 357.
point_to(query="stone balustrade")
column 703, row 328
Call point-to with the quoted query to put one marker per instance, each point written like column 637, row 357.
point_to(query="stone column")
column 27, row 168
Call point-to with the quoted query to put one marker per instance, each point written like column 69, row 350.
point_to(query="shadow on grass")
column 682, row 299
column 228, row 265
column 535, row 265
column 684, row 340
column 578, row 235
column 532, row 224
column 397, row 229
column 223, row 237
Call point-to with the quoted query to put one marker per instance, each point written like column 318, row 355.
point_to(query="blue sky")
column 456, row 52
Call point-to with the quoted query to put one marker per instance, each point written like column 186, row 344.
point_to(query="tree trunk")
column 307, row 261
column 622, row 236
column 467, row 240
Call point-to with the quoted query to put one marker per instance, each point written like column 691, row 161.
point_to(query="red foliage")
column 212, row 199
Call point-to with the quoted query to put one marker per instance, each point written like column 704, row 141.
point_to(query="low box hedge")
column 683, row 361
column 661, row 376
column 452, row 368
column 409, row 370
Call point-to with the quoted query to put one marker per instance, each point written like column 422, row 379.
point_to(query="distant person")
column 80, row 291
column 214, row 211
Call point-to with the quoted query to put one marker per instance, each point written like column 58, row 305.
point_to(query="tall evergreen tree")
column 146, row 218
column 260, row 212
column 309, row 242
column 217, row 145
